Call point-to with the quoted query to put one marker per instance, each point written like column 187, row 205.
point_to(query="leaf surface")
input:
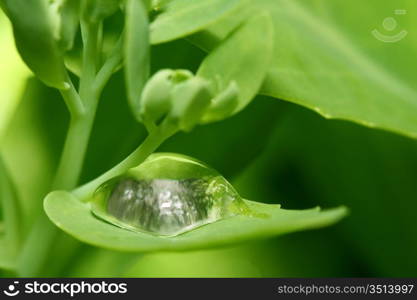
column 75, row 218
column 327, row 61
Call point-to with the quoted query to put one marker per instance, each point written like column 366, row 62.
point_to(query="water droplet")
column 163, row 197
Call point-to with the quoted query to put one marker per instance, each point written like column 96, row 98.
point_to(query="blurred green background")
column 273, row 152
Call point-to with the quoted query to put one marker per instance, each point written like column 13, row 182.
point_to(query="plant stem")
column 149, row 145
column 73, row 100
column 72, row 158
column 43, row 234
column 40, row 240
column 90, row 37
column 109, row 67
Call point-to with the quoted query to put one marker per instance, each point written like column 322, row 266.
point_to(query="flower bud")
column 156, row 96
column 223, row 105
column 190, row 100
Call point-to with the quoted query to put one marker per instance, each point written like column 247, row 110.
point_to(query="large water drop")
column 167, row 195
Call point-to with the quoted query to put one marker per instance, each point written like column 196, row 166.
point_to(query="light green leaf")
column 238, row 59
column 33, row 28
column 325, row 60
column 137, row 52
column 13, row 74
column 75, row 218
column 183, row 17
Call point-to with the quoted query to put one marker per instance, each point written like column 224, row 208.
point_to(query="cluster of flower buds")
column 185, row 100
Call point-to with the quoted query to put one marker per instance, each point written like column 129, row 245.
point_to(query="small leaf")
column 137, row 52
column 97, row 10
column 247, row 65
column 183, row 17
column 34, row 36
column 75, row 218
column 69, row 23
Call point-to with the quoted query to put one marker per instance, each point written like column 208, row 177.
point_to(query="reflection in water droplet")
column 166, row 206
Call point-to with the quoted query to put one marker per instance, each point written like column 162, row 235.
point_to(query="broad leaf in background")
column 7, row 260
column 325, row 60
column 33, row 28
column 32, row 144
column 180, row 18
column 73, row 216
column 246, row 66
column 12, row 217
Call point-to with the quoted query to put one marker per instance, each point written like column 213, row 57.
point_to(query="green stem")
column 90, row 52
column 44, row 233
column 73, row 100
column 72, row 158
column 109, row 67
column 149, row 145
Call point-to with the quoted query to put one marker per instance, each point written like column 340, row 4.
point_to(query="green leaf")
column 33, row 29
column 245, row 66
column 183, row 17
column 75, row 218
column 136, row 51
column 97, row 10
column 327, row 61
column 13, row 74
